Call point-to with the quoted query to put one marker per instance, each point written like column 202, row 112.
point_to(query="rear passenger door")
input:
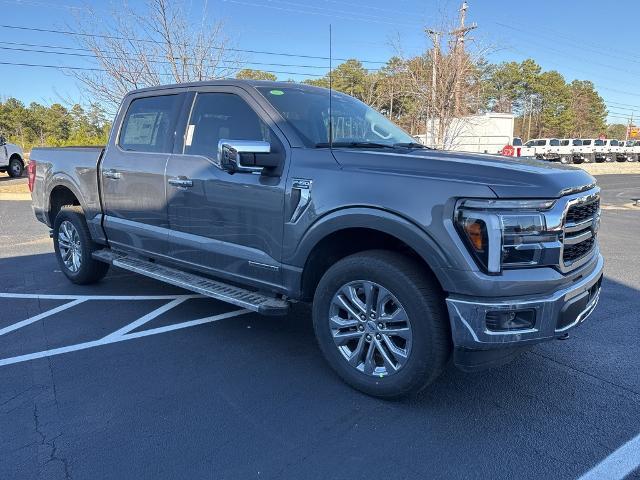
column 227, row 225
column 133, row 174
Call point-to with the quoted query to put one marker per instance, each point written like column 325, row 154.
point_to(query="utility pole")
column 530, row 113
column 629, row 127
column 458, row 51
column 431, row 111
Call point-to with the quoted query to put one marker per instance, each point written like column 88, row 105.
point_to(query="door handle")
column 181, row 182
column 113, row 174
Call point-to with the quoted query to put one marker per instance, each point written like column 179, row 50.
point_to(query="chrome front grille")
column 580, row 227
column 578, row 213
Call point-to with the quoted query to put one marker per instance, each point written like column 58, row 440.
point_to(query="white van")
column 571, row 150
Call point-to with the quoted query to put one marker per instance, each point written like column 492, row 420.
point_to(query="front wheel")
column 73, row 246
column 16, row 169
column 381, row 323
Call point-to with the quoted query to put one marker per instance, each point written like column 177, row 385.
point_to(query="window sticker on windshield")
column 276, row 92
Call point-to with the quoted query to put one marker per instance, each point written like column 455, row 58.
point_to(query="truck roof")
column 229, row 82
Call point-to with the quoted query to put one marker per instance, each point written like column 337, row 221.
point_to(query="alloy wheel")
column 370, row 328
column 70, row 246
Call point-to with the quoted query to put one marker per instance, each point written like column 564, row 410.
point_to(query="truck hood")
column 508, row 177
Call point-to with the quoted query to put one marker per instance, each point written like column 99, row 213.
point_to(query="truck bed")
column 74, row 168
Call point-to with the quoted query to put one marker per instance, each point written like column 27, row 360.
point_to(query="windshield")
column 586, row 142
column 599, row 143
column 554, row 142
column 577, row 143
column 613, row 143
column 307, row 111
column 517, row 142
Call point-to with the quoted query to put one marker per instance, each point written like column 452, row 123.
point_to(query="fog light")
column 507, row 320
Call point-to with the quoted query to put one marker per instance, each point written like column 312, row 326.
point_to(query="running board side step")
column 253, row 301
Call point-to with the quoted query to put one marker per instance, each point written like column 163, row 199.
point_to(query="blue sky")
column 579, row 39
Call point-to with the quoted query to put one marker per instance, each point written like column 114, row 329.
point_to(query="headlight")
column 506, row 233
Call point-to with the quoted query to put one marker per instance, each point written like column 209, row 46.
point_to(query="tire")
column 16, row 168
column 71, row 235
column 417, row 294
column 565, row 160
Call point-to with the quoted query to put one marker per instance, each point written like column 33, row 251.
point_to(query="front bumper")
column 555, row 314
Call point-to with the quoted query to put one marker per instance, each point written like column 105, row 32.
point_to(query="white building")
column 486, row 133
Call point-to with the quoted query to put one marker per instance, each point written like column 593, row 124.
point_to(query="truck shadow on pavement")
column 564, row 404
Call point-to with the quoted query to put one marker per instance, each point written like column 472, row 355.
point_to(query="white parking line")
column 617, row 465
column 148, row 317
column 38, row 296
column 34, row 319
column 108, row 339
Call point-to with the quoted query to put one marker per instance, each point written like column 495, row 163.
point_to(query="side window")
column 217, row 116
column 147, row 124
column 541, row 143
column 530, row 143
column 554, row 142
column 586, row 142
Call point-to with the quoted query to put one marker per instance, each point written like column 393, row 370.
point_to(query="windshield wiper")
column 411, row 145
column 353, row 145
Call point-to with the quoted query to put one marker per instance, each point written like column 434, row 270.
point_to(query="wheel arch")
column 17, row 156
column 348, row 231
column 61, row 194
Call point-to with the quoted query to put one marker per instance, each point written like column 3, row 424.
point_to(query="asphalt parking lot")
column 131, row 378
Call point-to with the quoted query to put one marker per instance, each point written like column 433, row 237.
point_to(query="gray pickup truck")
column 410, row 256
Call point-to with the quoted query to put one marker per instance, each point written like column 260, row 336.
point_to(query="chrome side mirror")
column 2, row 140
column 229, row 155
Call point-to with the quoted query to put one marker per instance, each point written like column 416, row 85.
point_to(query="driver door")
column 226, row 224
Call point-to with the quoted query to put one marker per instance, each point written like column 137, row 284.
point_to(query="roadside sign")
column 508, row 151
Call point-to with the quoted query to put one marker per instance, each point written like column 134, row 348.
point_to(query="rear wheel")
column 381, row 323
column 73, row 246
column 16, row 169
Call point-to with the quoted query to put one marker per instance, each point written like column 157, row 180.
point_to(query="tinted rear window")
column 147, row 125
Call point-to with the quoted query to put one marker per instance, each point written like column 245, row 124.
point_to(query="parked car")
column 545, row 148
column 236, row 190
column 601, row 151
column 613, row 148
column 635, row 150
column 517, row 149
column 589, row 148
column 627, row 153
column 571, row 150
column 11, row 158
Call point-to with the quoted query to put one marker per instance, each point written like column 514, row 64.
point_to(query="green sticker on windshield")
column 276, row 92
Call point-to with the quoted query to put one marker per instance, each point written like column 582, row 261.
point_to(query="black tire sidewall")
column 423, row 364
column 10, row 168
column 87, row 265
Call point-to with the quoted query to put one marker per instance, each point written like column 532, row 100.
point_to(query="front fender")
column 14, row 150
column 375, row 219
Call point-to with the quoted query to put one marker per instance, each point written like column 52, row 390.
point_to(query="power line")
column 92, row 69
column 327, row 14
column 143, row 40
column 576, row 43
column 88, row 55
